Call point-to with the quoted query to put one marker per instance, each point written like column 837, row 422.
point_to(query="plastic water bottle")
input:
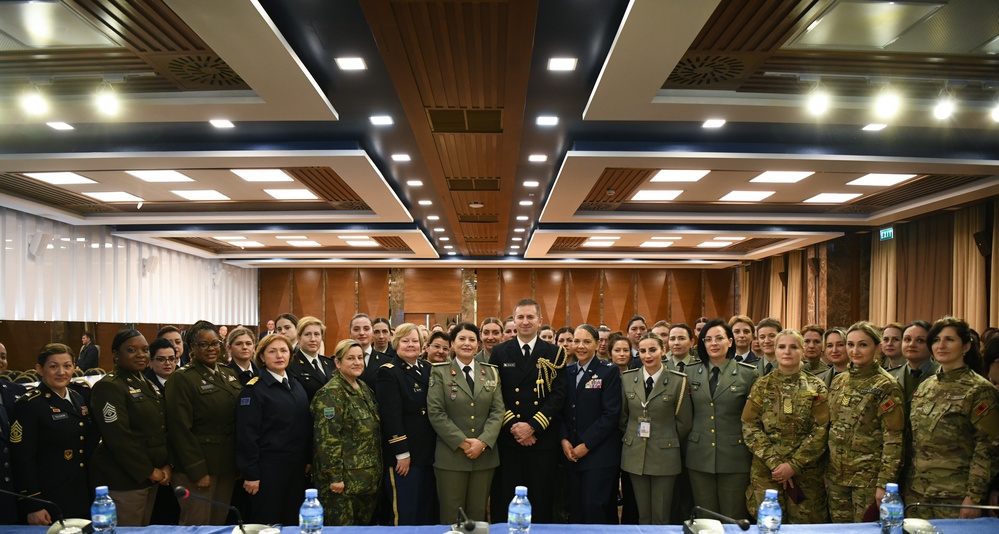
column 103, row 514
column 518, row 516
column 769, row 514
column 310, row 515
column 891, row 510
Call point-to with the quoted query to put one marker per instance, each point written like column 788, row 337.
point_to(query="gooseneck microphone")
column 464, row 522
column 697, row 526
column 183, row 493
column 48, row 504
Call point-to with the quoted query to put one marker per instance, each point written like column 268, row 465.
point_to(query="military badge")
column 979, row 410
column 245, row 401
column 433, row 381
column 888, row 405
column 16, row 432
column 329, row 413
column 110, row 413
column 67, row 454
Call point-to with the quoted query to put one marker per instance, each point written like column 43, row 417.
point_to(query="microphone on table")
column 183, row 493
column 696, row 525
column 912, row 524
column 60, row 523
column 468, row 526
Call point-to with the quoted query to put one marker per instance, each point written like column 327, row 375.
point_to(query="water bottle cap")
column 311, row 493
column 101, row 490
column 891, row 486
column 520, row 491
column 771, row 494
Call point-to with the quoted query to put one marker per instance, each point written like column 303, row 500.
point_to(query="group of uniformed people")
column 397, row 440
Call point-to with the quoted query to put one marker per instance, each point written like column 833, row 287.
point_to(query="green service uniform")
column 717, row 457
column 132, row 421
column 866, row 426
column 456, row 415
column 348, row 448
column 955, row 432
column 786, row 421
column 201, row 423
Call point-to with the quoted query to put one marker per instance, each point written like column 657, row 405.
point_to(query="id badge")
column 644, row 428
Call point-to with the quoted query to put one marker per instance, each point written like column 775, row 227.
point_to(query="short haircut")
column 528, row 302
column 308, row 321
column 545, row 327
column 288, row 317
column 702, row 350
column 769, row 322
column 167, row 329
column 812, row 328
column 258, row 354
column 457, row 329
column 402, row 331
column 121, row 337
column 343, row 346
column 444, row 336
column 742, row 319
column 236, row 333
column 53, row 349
column 159, row 344
column 636, row 318
column 89, row 335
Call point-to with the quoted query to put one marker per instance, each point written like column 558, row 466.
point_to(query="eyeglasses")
column 716, row 339
column 208, row 345
column 161, row 359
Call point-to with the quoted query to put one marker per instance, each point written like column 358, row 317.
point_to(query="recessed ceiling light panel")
column 200, row 194
column 562, row 64
column 160, row 176
column 781, row 177
column 414, row 183
column 678, row 175
column 262, row 175
column 537, row 158
column 381, row 120
column 598, row 244
column 746, row 196
column 713, row 123
column 832, row 198
column 350, row 63
column 531, row 183
column 656, row 244
column 304, row 243
column 874, row 127
column 655, row 195
column 713, row 244
column 363, row 243
column 547, row 120
column 60, row 126
column 401, row 157
column 221, row 123
column 291, row 194
column 291, row 237
column 60, row 178
column 881, row 180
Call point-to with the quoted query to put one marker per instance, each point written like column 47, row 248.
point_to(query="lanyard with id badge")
column 644, row 422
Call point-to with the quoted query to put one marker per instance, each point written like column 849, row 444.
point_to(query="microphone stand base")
column 82, row 524
column 251, row 528
column 703, row 526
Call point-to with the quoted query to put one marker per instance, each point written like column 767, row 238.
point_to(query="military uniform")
column 814, row 367
column 910, row 379
column 51, row 442
column 132, row 421
column 274, row 432
column 683, row 492
column 673, row 365
column 306, row 374
column 371, row 365
column 716, row 454
column 9, row 393
column 955, row 429
column 456, row 414
column 765, row 366
column 828, row 375
column 786, row 420
column 347, row 445
column 402, row 405
column 653, row 429
column 201, row 423
column 866, row 425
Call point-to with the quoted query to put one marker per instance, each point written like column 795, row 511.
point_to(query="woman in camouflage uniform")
column 955, row 426
column 785, row 423
column 348, row 453
column 866, row 423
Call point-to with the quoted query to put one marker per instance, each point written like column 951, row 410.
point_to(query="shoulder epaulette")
column 677, row 373
column 32, row 393
column 436, row 364
column 746, row 365
column 253, row 381
column 632, row 370
column 693, row 363
column 487, row 364
column 81, row 381
column 388, row 365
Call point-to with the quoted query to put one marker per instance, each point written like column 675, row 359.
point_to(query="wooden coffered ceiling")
column 464, row 82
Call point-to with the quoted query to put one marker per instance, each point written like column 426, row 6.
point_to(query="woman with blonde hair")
column 308, row 365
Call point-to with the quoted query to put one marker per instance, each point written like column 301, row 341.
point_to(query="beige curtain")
column 884, row 282
column 925, row 263
column 778, row 302
column 795, row 293
column 970, row 297
column 994, row 292
column 744, row 291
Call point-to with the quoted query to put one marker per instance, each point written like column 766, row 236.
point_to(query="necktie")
column 768, row 368
column 680, row 366
column 713, row 382
column 319, row 368
column 916, row 373
column 468, row 378
column 738, row 357
column 284, row 382
column 648, row 386
column 527, row 350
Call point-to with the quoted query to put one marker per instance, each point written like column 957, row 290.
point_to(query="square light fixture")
column 350, row 63
column 595, row 243
column 290, row 237
column 714, row 244
column 522, row 217
column 531, row 183
column 262, row 175
column 221, row 123
column 562, row 64
column 381, row 120
column 363, row 243
column 678, row 175
column 656, row 244
column 547, row 120
column 113, row 196
column 200, row 194
column 656, row 195
column 304, row 243
column 354, row 237
column 874, row 127
column 729, row 238
column 881, row 180
column 782, row 177
column 746, row 196
column 291, row 194
column 249, row 244
column 452, row 253
column 445, row 238
column 414, row 183
column 160, row 176
column 666, row 238
column 401, row 157
column 537, row 158
column 713, row 123
column 832, row 198
column 438, row 229
column 60, row 125
column 60, row 178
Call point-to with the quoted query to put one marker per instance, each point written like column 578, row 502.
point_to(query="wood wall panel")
column 515, row 284
column 373, row 292
column 653, row 294
column 686, row 296
column 618, row 297
column 340, row 305
column 583, row 302
column 274, row 293
column 487, row 294
column 307, row 295
column 432, row 290
column 719, row 293
column 549, row 291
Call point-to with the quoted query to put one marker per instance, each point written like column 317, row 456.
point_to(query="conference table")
column 945, row 526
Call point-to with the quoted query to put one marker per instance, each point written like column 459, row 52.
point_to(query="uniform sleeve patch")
column 979, row 410
column 888, row 405
column 329, row 413
column 16, row 432
column 110, row 413
column 245, row 401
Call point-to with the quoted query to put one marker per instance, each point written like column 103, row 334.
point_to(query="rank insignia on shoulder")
column 979, row 410
column 888, row 405
column 253, row 381
column 389, row 365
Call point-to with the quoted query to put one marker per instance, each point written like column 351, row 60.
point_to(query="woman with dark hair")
column 274, row 434
column 716, row 457
column 866, row 426
column 491, row 333
column 287, row 325
column 563, row 338
column 132, row 459
column 591, row 439
column 51, row 439
column 201, row 423
column 679, row 343
column 438, row 348
column 465, row 407
column 619, row 349
column 955, row 426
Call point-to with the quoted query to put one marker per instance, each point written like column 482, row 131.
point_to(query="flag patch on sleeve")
column 888, row 405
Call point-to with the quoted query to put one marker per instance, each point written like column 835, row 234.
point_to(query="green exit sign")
column 887, row 233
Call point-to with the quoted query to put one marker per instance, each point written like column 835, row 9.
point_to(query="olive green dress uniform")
column 679, row 366
column 866, row 425
column 51, row 442
column 132, row 421
column 458, row 414
column 201, row 423
column 654, row 461
column 786, row 420
column 348, row 448
column 717, row 457
column 955, row 430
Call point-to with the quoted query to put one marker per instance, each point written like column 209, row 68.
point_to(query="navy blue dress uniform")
column 9, row 393
column 590, row 416
column 375, row 360
column 51, row 443
column 534, row 391
column 274, row 444
column 244, row 376
column 311, row 379
column 402, row 407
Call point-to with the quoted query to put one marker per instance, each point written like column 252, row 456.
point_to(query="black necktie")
column 319, row 368
column 527, row 350
column 916, row 373
column 284, row 382
column 768, row 368
column 680, row 366
column 468, row 378
column 648, row 386
column 713, row 382
column 738, row 357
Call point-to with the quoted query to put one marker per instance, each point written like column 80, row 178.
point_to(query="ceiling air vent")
column 466, row 120
column 706, row 70
column 478, row 218
column 473, row 184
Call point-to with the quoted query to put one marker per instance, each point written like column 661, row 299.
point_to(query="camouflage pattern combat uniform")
column 955, row 429
column 786, row 419
column 348, row 449
column 866, row 425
